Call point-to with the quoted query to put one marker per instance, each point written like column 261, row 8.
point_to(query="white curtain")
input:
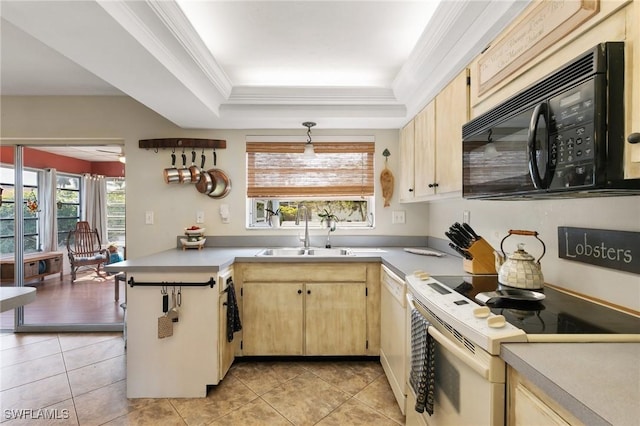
column 94, row 203
column 48, row 219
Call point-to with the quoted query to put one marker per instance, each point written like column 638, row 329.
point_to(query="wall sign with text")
column 611, row 249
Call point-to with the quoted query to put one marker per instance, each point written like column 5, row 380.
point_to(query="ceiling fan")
column 121, row 157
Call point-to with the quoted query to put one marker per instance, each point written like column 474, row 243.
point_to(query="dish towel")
column 233, row 316
column 422, row 376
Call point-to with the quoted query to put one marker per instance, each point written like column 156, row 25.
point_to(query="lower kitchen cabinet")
column 529, row 406
column 312, row 309
column 272, row 319
column 335, row 319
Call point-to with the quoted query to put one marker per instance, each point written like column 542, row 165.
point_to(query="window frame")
column 28, row 216
column 62, row 232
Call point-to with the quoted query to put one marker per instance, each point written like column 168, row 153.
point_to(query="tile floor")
column 79, row 378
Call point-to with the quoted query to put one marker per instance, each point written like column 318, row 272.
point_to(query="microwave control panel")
column 572, row 155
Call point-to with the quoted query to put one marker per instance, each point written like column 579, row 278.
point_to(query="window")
column 116, row 210
column 7, row 216
column 338, row 180
column 68, row 203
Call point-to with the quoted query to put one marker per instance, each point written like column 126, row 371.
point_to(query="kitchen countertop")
column 12, row 297
column 599, row 383
column 215, row 259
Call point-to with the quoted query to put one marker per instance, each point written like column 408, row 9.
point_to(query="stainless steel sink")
column 313, row 251
column 329, row 252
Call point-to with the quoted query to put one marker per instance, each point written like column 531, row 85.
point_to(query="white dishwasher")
column 393, row 333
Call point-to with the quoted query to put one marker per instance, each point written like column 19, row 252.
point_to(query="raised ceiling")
column 249, row 64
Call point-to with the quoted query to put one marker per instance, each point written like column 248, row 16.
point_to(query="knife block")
column 483, row 262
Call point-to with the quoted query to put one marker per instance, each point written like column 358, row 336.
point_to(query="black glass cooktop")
column 558, row 313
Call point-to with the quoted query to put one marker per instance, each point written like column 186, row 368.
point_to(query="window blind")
column 338, row 169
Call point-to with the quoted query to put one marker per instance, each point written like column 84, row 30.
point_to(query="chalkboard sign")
column 611, row 249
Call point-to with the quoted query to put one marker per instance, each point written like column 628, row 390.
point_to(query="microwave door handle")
column 539, row 111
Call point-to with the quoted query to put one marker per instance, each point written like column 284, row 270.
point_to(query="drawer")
column 305, row 272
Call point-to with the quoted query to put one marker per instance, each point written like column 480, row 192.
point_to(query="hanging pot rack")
column 182, row 143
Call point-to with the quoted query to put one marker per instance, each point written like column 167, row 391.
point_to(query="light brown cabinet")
column 527, row 405
column 431, row 145
column 309, row 309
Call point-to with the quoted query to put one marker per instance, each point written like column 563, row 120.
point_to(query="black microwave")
column 561, row 136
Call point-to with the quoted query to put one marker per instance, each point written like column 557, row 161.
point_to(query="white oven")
column 469, row 386
column 469, row 382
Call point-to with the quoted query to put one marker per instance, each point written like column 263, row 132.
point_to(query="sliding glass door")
column 53, row 200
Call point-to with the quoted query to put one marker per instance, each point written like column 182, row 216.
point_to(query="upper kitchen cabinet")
column 431, row 145
column 407, row 158
column 565, row 29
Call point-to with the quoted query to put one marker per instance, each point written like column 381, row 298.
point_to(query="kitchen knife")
column 470, row 230
column 454, row 237
column 468, row 236
column 462, row 252
column 461, row 237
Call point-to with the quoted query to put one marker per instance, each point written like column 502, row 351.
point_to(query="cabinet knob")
column 299, row 291
column 308, row 291
column 433, row 185
column 410, row 189
column 634, row 138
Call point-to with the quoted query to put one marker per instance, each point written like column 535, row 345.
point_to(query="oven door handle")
column 452, row 347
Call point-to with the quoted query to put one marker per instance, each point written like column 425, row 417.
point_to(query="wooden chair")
column 84, row 249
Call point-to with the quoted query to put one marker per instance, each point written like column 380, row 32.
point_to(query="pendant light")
column 308, row 148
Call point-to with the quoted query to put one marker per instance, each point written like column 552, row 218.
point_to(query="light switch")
column 199, row 216
column 398, row 216
column 224, row 213
column 148, row 217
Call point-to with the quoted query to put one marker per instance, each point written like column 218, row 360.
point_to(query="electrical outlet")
column 199, row 216
column 466, row 216
column 398, row 216
column 148, row 217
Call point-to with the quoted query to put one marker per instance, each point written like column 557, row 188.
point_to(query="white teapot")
column 520, row 269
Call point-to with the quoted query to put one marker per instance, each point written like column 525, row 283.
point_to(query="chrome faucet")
column 306, row 223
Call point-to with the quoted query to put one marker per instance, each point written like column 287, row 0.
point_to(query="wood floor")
column 88, row 300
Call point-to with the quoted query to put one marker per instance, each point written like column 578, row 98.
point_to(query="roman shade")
column 339, row 169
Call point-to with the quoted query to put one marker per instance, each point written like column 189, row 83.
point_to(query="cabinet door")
column 452, row 111
column 424, row 149
column 406, row 185
column 336, row 319
column 272, row 319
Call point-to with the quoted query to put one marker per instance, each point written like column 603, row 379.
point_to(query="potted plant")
column 274, row 218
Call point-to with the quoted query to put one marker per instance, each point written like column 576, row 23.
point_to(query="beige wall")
column 493, row 220
column 66, row 120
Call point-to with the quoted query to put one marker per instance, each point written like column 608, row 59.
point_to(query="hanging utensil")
column 171, row 174
column 221, row 182
column 205, row 183
column 184, row 173
column 193, row 169
column 173, row 312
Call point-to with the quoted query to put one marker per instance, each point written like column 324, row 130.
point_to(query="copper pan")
column 205, row 183
column 183, row 172
column 221, row 181
column 171, row 174
column 194, row 169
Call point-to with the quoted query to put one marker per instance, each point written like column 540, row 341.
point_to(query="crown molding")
column 458, row 32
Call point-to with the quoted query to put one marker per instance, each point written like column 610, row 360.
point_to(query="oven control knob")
column 481, row 312
column 496, row 321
